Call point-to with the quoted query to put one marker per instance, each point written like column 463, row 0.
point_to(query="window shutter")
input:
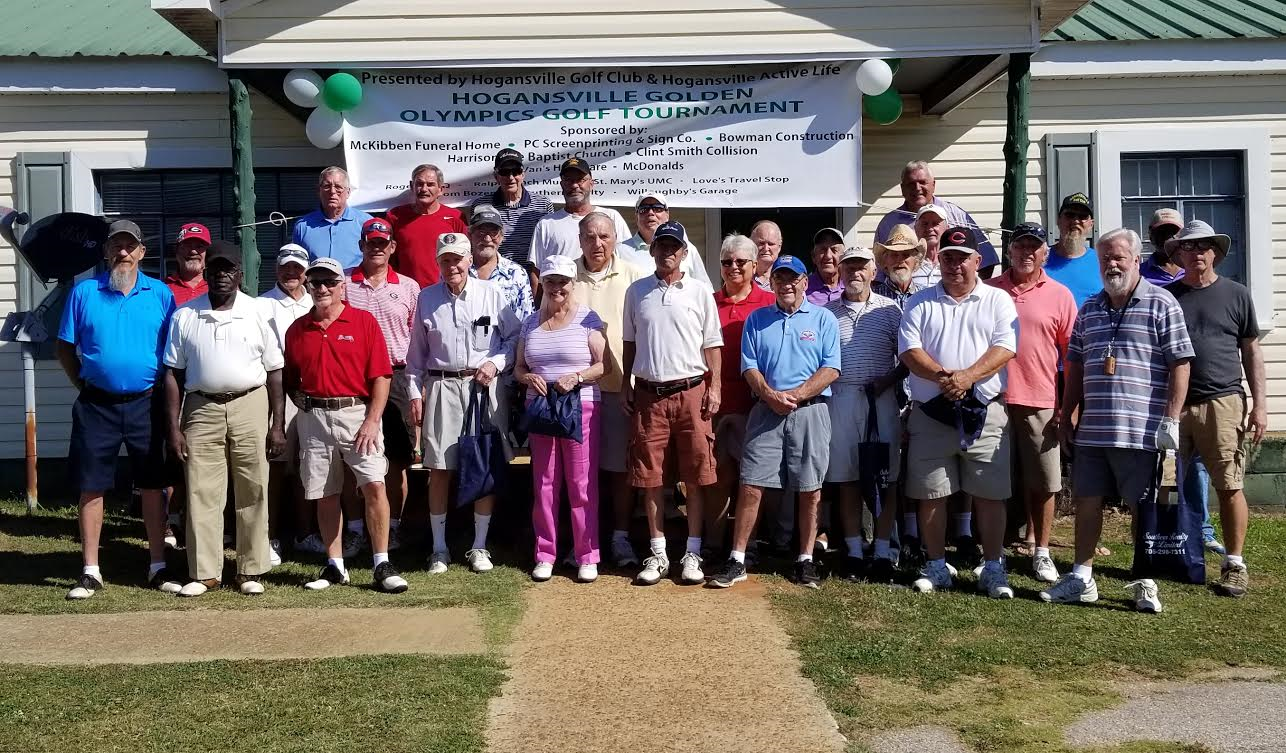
column 1069, row 160
column 42, row 187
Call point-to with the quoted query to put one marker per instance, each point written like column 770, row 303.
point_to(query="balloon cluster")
column 880, row 101
column 339, row 93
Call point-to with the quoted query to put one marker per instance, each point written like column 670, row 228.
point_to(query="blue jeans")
column 1196, row 485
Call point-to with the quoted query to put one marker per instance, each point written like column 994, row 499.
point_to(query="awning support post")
column 243, row 180
column 1017, row 109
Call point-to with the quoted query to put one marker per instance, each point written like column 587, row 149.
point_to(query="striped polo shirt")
column 392, row 304
column 868, row 337
column 520, row 221
column 1124, row 409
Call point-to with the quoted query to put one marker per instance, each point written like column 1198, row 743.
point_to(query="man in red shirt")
column 416, row 226
column 188, row 279
column 337, row 372
column 735, row 299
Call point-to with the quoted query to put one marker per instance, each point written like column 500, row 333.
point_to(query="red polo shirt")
column 417, row 240
column 735, row 393
column 186, row 291
column 338, row 360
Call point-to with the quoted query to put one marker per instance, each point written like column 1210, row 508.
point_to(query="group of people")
column 897, row 377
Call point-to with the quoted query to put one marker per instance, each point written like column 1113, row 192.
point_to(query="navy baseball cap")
column 1077, row 200
column 673, row 230
column 786, row 261
column 1029, row 229
column 958, row 239
column 508, row 157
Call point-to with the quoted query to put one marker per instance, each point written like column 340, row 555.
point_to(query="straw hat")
column 901, row 238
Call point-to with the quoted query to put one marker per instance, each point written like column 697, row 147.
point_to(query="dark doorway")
column 797, row 225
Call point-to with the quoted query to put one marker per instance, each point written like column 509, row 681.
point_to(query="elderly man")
column 956, row 338
column 930, row 224
column 766, row 235
column 1072, row 260
column 824, row 285
column 1224, row 331
column 559, row 232
column 898, row 257
column 187, row 281
column 486, row 236
column 337, row 372
column 602, row 279
column 863, row 404
column 672, row 344
column 110, row 343
column 919, row 189
column 1161, row 267
column 464, row 336
column 417, row 226
column 653, row 211
column 519, row 209
column 334, row 229
column 1046, row 313
column 222, row 353
column 790, row 354
column 375, row 287
column 1127, row 375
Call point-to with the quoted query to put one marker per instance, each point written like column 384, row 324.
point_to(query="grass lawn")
column 1010, row 675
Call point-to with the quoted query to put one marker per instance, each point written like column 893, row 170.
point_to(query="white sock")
column 94, row 571
column 380, row 558
column 1084, row 572
column 620, row 537
column 738, row 556
column 480, row 525
column 1042, row 551
column 854, row 544
column 154, row 568
column 657, row 545
column 964, row 523
column 338, row 562
column 911, row 522
column 394, row 523
column 1234, row 559
column 694, row 545
column 804, row 558
column 883, row 550
column 437, row 523
column 357, row 526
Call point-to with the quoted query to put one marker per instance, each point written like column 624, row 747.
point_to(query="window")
column 160, row 201
column 1208, row 186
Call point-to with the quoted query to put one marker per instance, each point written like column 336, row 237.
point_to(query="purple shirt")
column 1156, row 274
column 552, row 355
column 820, row 293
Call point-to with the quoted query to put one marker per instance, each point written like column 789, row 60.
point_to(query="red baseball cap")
column 377, row 227
column 194, row 230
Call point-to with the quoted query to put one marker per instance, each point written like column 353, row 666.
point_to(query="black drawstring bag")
column 556, row 414
column 872, row 461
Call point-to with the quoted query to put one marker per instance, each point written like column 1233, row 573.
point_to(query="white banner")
column 741, row 136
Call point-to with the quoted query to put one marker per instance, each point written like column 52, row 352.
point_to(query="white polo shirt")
column 222, row 351
column 282, row 311
column 460, row 332
column 957, row 333
column 670, row 326
column 559, row 233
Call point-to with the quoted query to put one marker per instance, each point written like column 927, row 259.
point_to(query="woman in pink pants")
column 561, row 348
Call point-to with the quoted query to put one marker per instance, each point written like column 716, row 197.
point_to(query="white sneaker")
column 394, row 540
column 330, row 576
column 86, row 586
column 542, row 572
column 274, row 553
column 438, row 562
column 251, row 587
column 479, row 560
column 691, row 569
column 1044, row 569
column 312, row 544
column 623, row 554
column 354, row 543
column 1147, row 598
column 587, row 573
column 933, row 577
column 194, row 588
column 654, row 569
column 1070, row 589
column 995, row 583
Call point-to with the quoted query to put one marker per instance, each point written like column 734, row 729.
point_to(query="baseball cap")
column 453, row 243
column 958, row 239
column 786, row 261
column 1166, row 217
column 575, row 163
column 229, row 252
column 1076, row 200
column 485, row 214
column 558, row 265
column 817, row 237
column 1029, row 229
column 292, row 253
column 508, row 157
column 194, row 230
column 125, row 226
column 657, row 197
column 671, row 229
column 931, row 209
column 326, row 264
column 857, row 253
column 377, row 227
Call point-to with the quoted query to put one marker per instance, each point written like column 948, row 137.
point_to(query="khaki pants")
column 222, row 437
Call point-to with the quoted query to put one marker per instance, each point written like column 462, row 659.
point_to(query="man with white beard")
column 1127, row 372
column 1072, row 261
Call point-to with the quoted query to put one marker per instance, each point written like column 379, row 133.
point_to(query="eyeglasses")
column 333, row 188
column 645, row 208
column 329, row 283
column 509, row 172
column 213, row 273
column 726, row 263
column 1077, row 216
column 1198, row 245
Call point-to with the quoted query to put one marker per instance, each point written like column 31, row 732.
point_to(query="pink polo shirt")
column 392, row 304
column 1046, row 313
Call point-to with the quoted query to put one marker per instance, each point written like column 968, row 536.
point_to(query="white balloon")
column 874, row 77
column 303, row 87
column 325, row 128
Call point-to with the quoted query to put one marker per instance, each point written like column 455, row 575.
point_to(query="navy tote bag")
column 482, row 459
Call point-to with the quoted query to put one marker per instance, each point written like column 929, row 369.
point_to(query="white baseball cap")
column 558, row 265
column 453, row 243
column 931, row 209
column 328, row 264
column 292, row 253
column 658, row 197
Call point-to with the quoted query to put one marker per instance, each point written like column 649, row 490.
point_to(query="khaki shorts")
column 849, row 420
column 1216, row 431
column 446, row 399
column 729, row 437
column 613, row 436
column 1037, row 456
column 936, row 466
column 326, row 446
column 660, row 421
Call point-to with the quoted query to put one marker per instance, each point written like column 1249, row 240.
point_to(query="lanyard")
column 1116, row 326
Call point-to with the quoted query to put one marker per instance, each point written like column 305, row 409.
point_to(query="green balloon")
column 894, row 64
column 342, row 92
column 883, row 108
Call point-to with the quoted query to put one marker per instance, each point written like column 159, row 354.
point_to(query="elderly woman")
column 561, row 348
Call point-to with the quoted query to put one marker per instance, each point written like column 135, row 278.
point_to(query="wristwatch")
column 579, row 379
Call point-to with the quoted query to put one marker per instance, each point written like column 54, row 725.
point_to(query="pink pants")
column 577, row 463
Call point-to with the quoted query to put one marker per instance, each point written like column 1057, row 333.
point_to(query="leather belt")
column 308, row 402
column 224, row 397
column 665, row 389
column 816, row 399
column 103, row 397
column 461, row 374
column 399, row 367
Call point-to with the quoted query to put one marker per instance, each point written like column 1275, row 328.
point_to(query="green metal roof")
column 64, row 28
column 1138, row 20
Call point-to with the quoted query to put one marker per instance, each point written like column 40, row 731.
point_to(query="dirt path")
column 188, row 636
column 613, row 667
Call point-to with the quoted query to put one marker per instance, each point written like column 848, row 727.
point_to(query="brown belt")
column 665, row 389
column 308, row 403
column 224, row 397
column 461, row 374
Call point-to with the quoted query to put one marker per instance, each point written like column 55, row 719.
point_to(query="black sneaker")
column 967, row 552
column 806, row 574
column 163, row 582
column 730, row 573
column 86, row 586
column 853, row 569
column 388, row 580
column 329, row 576
column 881, row 571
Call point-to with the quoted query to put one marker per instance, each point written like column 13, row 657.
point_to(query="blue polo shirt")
column 1079, row 275
column 789, row 348
column 337, row 239
column 121, row 337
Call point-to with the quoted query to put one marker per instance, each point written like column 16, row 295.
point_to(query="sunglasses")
column 727, row 263
column 329, row 283
column 510, row 172
column 643, row 208
column 1201, row 245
